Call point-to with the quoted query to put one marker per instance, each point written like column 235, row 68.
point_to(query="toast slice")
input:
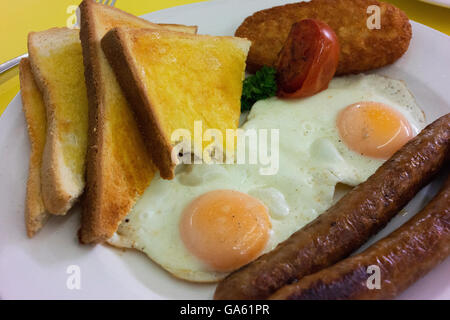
column 119, row 168
column 173, row 79
column 34, row 109
column 57, row 64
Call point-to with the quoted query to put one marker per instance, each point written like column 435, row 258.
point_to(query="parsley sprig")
column 261, row 85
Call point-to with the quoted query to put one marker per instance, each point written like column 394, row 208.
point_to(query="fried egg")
column 212, row 219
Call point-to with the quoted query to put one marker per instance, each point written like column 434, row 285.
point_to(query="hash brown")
column 362, row 49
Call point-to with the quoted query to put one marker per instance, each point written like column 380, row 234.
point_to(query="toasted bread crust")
column 120, row 59
column 119, row 55
column 91, row 202
column 110, row 192
column 179, row 27
column 35, row 213
column 59, row 192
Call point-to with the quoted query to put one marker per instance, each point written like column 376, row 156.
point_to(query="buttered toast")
column 34, row 109
column 57, row 64
column 173, row 79
column 119, row 168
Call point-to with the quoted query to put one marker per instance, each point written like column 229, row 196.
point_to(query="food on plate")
column 349, row 223
column 57, row 64
column 206, row 225
column 259, row 86
column 305, row 65
column 403, row 257
column 174, row 79
column 119, row 168
column 373, row 129
column 34, row 109
column 308, row 59
column 63, row 90
column 362, row 49
column 175, row 220
column 304, row 181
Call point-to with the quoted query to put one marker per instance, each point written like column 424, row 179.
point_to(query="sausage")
column 402, row 258
column 349, row 223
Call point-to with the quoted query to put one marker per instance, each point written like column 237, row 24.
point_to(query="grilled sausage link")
column 403, row 257
column 349, row 223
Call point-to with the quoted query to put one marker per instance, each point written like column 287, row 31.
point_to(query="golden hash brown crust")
column 361, row 49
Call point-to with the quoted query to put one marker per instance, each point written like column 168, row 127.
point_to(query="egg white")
column 312, row 158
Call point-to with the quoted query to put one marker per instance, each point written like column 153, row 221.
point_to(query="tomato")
column 308, row 60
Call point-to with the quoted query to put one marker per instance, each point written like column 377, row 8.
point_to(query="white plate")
column 37, row 269
column 442, row 3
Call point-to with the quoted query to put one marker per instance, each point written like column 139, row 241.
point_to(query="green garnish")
column 261, row 85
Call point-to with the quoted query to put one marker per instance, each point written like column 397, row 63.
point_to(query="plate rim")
column 437, row 3
column 144, row 16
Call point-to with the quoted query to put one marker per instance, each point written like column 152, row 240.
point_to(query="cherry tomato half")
column 308, row 60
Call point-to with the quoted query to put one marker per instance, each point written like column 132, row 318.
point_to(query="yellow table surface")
column 18, row 17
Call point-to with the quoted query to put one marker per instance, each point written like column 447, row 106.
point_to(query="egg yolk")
column 373, row 129
column 225, row 229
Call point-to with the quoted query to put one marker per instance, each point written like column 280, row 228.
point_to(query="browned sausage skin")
column 349, row 223
column 403, row 257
